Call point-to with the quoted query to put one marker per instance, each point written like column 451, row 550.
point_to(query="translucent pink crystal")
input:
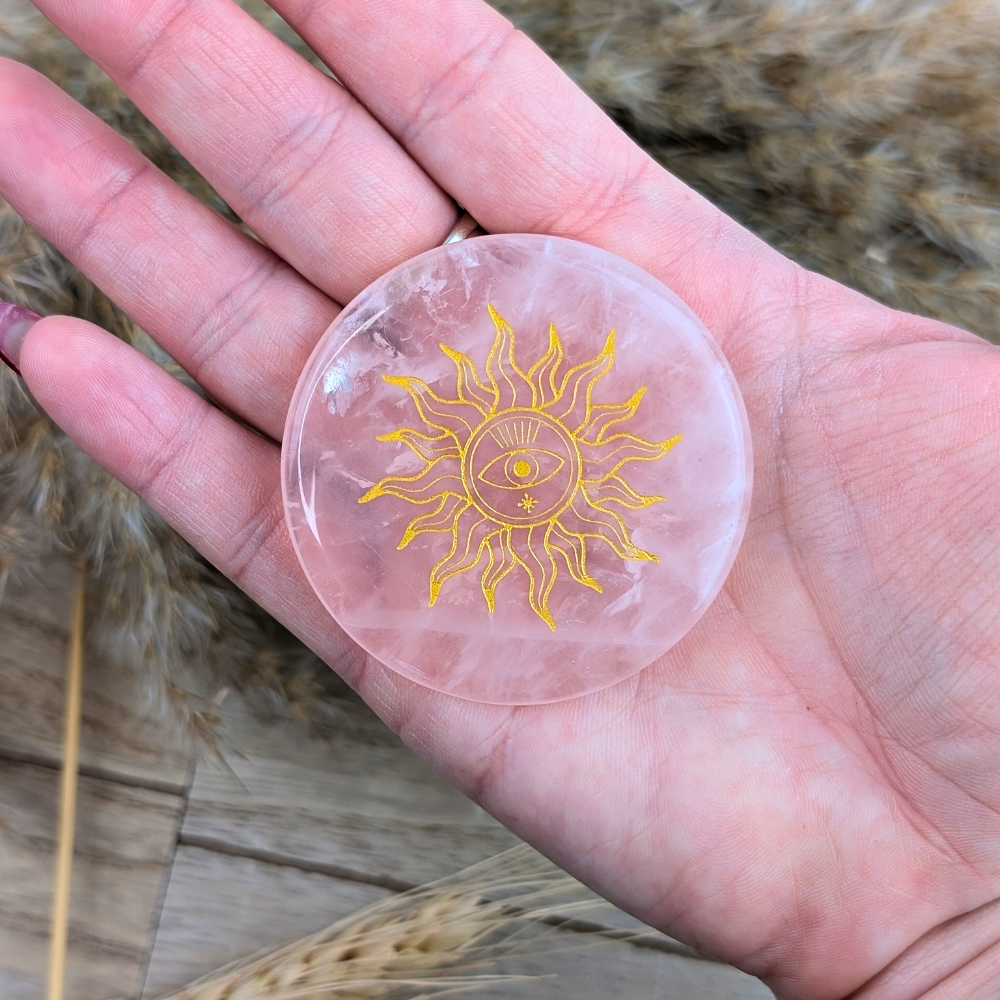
column 517, row 469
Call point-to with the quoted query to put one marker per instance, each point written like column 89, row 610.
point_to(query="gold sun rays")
column 521, row 469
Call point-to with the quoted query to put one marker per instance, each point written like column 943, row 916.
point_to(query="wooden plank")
column 360, row 802
column 121, row 737
column 125, row 840
column 221, row 908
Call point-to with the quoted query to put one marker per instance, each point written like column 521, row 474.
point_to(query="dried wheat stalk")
column 436, row 939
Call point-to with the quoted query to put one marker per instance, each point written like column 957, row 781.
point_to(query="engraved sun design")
column 521, row 470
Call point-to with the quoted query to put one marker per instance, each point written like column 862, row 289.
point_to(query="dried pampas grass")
column 859, row 137
column 437, row 939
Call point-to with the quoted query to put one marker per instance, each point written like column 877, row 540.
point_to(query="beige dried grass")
column 437, row 939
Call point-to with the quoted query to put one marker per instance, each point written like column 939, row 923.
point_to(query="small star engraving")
column 528, row 502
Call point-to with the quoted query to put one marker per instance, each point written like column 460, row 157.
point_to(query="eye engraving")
column 521, row 468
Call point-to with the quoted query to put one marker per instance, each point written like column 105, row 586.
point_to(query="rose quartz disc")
column 479, row 489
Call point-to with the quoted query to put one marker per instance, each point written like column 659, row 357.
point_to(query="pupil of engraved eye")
column 521, row 468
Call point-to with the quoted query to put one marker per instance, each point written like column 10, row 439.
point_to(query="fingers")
column 509, row 135
column 214, row 481
column 293, row 153
column 235, row 316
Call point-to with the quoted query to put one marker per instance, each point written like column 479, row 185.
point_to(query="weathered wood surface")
column 130, row 803
column 125, row 842
column 359, row 802
column 342, row 804
column 120, row 739
column 182, row 868
column 220, row 908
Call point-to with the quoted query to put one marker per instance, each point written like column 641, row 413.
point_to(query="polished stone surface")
column 517, row 469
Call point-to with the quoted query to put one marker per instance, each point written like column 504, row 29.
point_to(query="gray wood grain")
column 121, row 735
column 125, row 839
column 361, row 802
column 220, row 908
column 303, row 831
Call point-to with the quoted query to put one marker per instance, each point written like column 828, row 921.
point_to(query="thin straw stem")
column 67, row 798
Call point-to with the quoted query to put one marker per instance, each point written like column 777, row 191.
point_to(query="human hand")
column 805, row 785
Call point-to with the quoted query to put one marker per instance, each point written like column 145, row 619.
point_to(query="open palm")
column 805, row 785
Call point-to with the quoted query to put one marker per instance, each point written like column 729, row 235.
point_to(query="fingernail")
column 15, row 322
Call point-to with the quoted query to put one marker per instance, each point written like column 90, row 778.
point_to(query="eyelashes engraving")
column 521, row 468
